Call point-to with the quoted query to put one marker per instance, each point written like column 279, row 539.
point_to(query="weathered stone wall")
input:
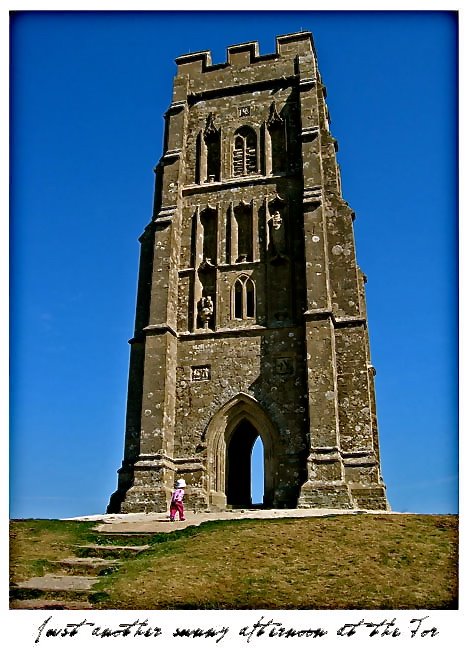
column 267, row 367
column 237, row 365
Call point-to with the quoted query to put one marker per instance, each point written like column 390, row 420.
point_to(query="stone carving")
column 274, row 117
column 205, row 310
column 210, row 129
column 200, row 373
column 276, row 238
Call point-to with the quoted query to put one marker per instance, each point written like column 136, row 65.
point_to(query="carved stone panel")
column 200, row 373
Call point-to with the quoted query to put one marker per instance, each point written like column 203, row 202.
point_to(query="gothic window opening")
column 244, row 155
column 243, row 298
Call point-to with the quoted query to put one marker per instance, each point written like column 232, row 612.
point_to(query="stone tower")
column 250, row 315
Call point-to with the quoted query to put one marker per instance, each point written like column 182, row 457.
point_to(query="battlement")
column 241, row 55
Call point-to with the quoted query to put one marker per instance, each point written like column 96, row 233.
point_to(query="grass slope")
column 344, row 562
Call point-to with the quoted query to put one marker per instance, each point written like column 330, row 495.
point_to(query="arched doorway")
column 231, row 435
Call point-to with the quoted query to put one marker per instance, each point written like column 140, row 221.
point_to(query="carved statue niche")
column 205, row 310
column 208, row 220
column 243, row 224
column 276, row 232
column 205, row 283
column 276, row 130
column 210, row 128
column 212, row 139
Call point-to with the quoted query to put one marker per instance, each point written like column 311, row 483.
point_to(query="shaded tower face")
column 250, row 317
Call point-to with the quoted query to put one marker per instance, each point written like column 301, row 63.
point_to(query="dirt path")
column 159, row 522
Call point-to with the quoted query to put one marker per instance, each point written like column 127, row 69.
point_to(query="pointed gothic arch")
column 230, row 436
column 243, row 300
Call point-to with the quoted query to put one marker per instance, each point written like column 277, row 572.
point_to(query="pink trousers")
column 174, row 508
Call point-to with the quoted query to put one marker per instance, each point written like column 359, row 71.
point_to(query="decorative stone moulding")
column 313, row 195
column 274, row 117
column 175, row 108
column 309, row 133
column 171, row 155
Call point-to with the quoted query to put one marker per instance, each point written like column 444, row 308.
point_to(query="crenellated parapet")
column 243, row 54
column 294, row 58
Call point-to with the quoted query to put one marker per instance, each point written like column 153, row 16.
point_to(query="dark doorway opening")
column 239, row 462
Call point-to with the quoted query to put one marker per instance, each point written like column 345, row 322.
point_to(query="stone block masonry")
column 250, row 317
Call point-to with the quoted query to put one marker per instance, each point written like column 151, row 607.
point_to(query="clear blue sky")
column 88, row 95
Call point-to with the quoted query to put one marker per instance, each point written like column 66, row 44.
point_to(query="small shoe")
column 183, row 519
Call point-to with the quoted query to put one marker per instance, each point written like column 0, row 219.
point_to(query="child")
column 176, row 503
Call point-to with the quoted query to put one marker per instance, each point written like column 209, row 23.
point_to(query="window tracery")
column 243, row 299
column 244, row 154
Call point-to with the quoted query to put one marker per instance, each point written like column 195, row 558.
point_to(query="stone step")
column 43, row 603
column 111, row 552
column 87, row 564
column 49, row 582
column 129, row 534
column 64, row 588
column 115, row 537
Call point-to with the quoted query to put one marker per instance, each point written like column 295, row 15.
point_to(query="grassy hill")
column 363, row 561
